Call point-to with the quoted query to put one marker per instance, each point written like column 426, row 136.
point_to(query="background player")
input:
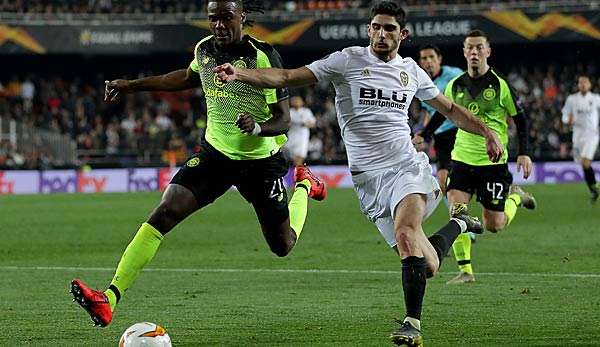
column 489, row 97
column 299, row 134
column 581, row 112
column 242, row 145
column 430, row 59
column 374, row 87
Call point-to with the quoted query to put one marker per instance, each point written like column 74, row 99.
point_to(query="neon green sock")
column 112, row 298
column 298, row 207
column 462, row 253
column 138, row 253
column 511, row 206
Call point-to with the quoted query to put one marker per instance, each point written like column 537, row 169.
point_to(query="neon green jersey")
column 225, row 101
column 490, row 99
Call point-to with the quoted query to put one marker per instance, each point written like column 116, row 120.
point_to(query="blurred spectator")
column 155, row 128
column 50, row 7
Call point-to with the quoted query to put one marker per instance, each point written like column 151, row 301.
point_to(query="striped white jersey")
column 372, row 100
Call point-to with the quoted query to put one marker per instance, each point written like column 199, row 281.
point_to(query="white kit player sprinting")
column 299, row 134
column 374, row 87
column 581, row 112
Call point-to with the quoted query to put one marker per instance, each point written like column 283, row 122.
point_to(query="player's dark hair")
column 477, row 33
column 389, row 8
column 435, row 48
column 247, row 6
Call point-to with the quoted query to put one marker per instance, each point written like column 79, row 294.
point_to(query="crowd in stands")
column 196, row 6
column 150, row 128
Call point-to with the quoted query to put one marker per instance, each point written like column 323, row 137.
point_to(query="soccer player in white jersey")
column 581, row 112
column 299, row 134
column 394, row 183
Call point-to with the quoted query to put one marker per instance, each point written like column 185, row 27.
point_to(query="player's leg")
column 193, row 187
column 584, row 150
column 443, row 145
column 499, row 199
column 416, row 259
column 281, row 223
column 177, row 203
column 461, row 186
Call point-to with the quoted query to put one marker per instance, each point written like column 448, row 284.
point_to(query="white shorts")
column 380, row 191
column 297, row 146
column 584, row 147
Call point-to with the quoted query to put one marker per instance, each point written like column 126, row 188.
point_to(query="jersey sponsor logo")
column 403, row 78
column 382, row 98
column 218, row 82
column 240, row 64
column 473, row 107
column 489, row 94
column 193, row 162
column 218, row 93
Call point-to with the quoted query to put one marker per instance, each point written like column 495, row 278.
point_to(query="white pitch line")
column 313, row 271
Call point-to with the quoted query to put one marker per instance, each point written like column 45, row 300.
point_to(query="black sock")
column 444, row 238
column 116, row 291
column 590, row 178
column 413, row 284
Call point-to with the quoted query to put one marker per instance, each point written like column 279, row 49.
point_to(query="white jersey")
column 584, row 109
column 372, row 100
column 299, row 117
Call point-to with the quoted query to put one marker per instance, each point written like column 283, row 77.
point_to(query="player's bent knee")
column 165, row 217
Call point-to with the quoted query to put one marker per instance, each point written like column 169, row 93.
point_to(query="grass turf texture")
column 524, row 294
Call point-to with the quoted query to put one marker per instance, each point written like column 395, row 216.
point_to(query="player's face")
column 430, row 61
column 385, row 34
column 477, row 51
column 584, row 85
column 296, row 102
column 225, row 20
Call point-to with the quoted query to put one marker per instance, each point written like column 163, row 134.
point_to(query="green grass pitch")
column 215, row 283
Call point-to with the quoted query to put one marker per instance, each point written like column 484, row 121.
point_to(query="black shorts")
column 443, row 143
column 490, row 183
column 209, row 174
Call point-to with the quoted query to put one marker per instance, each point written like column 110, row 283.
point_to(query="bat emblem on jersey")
column 403, row 78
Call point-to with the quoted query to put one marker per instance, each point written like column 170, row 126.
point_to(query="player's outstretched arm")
column 467, row 122
column 173, row 81
column 266, row 78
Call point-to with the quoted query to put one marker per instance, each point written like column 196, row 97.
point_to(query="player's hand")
column 115, row 89
column 525, row 163
column 246, row 123
column 419, row 142
column 494, row 147
column 226, row 73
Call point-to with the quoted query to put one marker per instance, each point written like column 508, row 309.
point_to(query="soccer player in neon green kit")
column 489, row 97
column 246, row 127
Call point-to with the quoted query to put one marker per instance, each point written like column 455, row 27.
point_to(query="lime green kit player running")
column 489, row 97
column 246, row 128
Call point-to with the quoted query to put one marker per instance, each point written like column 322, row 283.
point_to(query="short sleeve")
column 310, row 117
column 194, row 66
column 274, row 96
column 567, row 110
column 426, row 89
column 330, row 68
column 448, row 91
column 508, row 98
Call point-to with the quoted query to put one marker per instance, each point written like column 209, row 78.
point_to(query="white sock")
column 461, row 223
column 413, row 321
